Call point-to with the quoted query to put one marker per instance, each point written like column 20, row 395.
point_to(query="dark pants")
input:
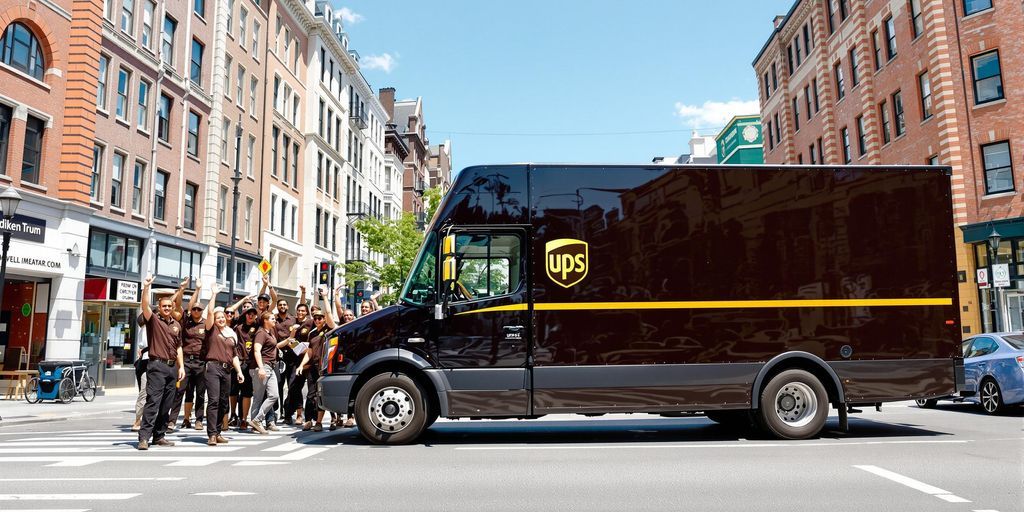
column 194, row 385
column 294, row 399
column 218, row 384
column 312, row 375
column 160, row 379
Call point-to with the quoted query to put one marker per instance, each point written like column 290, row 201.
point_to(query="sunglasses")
column 318, row 317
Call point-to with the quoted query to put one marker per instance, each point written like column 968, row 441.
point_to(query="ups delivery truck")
column 740, row 292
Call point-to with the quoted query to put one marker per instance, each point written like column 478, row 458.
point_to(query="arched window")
column 21, row 51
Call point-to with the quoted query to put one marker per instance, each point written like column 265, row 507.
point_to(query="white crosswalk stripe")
column 87, row 448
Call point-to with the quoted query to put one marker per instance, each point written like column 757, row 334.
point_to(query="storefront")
column 1001, row 307
column 110, row 334
column 40, row 317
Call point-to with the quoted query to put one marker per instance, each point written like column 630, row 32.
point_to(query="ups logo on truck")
column 566, row 261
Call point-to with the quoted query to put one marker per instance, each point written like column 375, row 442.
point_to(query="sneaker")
column 163, row 442
column 318, row 427
column 273, row 428
column 221, row 439
column 306, row 426
column 142, row 445
column 186, row 424
column 334, row 426
column 136, row 428
column 211, row 441
column 199, row 424
column 258, row 426
column 170, row 428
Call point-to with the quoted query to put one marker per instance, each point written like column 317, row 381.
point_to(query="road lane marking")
column 73, row 463
column 743, row 445
column 98, row 479
column 286, row 447
column 120, row 442
column 122, row 448
column 194, row 462
column 66, row 497
column 258, row 463
column 913, row 484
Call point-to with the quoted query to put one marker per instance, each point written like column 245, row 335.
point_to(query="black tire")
column 794, row 405
column 88, row 389
column 66, row 390
column 990, row 397
column 926, row 403
column 732, row 419
column 390, row 409
column 32, row 391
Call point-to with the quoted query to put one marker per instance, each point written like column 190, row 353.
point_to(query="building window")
column 837, row 70
column 97, row 166
column 243, row 20
column 116, row 174
column 196, row 66
column 776, row 123
column 175, row 263
column 316, row 229
column 844, row 9
column 988, row 77
column 190, row 206
column 821, row 152
column 897, row 111
column 845, row 135
column 810, row 152
column 142, row 115
column 286, row 143
column 250, row 150
column 127, row 16
column 115, row 252
column 976, row 6
column 6, row 113
column 167, row 42
column 925, row 88
column 862, row 141
column 163, row 121
column 767, row 86
column 796, row 114
column 138, row 178
column 336, row 174
column 273, row 151
column 775, row 82
column 231, row 15
column 239, row 87
column 890, row 38
column 319, row 170
column 124, row 78
column 814, row 86
column 295, row 217
column 853, row 67
column 224, row 134
column 148, row 7
column 273, row 210
column 284, row 215
column 199, row 7
column 876, row 49
column 295, row 165
column 33, row 149
column 193, row 134
column 101, row 85
column 248, row 218
column 831, row 14
column 807, row 101
column 255, row 39
column 227, row 77
column 254, row 86
column 222, row 218
column 916, row 17
column 160, row 199
column 998, row 167
column 883, row 110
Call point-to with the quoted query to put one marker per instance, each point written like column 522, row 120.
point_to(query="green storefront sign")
column 741, row 141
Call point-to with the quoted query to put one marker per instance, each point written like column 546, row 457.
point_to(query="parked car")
column 993, row 372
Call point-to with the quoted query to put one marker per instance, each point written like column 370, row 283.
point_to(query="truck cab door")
column 482, row 343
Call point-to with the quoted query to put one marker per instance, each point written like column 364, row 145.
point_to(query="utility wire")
column 571, row 134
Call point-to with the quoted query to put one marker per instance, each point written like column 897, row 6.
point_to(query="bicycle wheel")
column 88, row 390
column 32, row 391
column 66, row 390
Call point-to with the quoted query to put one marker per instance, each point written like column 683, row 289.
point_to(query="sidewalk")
column 20, row 412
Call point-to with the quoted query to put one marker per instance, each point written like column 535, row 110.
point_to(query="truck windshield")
column 420, row 287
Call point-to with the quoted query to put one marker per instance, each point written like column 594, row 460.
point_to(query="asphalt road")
column 947, row 459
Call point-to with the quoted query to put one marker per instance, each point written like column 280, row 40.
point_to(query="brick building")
column 439, row 168
column 407, row 118
column 910, row 82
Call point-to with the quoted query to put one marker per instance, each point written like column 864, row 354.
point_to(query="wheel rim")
column 32, row 392
column 89, row 392
column 990, row 396
column 921, row 403
column 796, row 404
column 391, row 409
column 67, row 391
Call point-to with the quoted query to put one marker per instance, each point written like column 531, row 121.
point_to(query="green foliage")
column 431, row 200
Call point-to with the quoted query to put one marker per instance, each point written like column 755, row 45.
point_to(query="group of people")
column 250, row 362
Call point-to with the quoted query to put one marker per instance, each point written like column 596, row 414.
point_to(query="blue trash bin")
column 51, row 373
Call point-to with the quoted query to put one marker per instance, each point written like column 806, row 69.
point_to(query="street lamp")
column 9, row 202
column 993, row 244
column 237, row 177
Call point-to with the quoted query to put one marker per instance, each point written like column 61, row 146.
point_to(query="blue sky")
column 562, row 80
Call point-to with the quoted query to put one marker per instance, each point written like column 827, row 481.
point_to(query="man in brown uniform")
column 194, row 385
column 163, row 333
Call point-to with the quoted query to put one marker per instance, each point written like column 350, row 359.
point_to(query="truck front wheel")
column 390, row 409
column 794, row 405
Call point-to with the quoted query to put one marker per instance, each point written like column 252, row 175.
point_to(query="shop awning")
column 1007, row 228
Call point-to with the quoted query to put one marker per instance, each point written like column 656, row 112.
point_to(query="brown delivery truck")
column 764, row 292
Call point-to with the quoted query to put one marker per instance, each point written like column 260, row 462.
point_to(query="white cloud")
column 715, row 114
column 384, row 62
column 349, row 16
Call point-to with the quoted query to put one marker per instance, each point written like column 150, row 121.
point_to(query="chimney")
column 387, row 99
column 778, row 21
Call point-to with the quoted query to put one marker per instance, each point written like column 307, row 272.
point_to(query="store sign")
column 127, row 291
column 34, row 262
column 1001, row 275
column 983, row 279
column 24, row 228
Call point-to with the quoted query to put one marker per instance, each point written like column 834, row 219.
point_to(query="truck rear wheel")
column 794, row 405
column 390, row 409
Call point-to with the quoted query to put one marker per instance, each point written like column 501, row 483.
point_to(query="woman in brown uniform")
column 221, row 348
column 323, row 324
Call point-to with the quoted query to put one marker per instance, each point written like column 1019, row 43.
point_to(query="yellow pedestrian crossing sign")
column 265, row 267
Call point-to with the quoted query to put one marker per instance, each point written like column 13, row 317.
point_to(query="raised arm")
column 328, row 317
column 147, row 307
column 235, row 306
column 302, row 296
column 177, row 311
column 338, row 306
column 273, row 293
column 194, row 300
column 210, row 305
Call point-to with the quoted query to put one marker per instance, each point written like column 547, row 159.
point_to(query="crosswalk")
column 86, row 448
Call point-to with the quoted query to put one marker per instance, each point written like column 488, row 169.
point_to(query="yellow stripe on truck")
column 717, row 304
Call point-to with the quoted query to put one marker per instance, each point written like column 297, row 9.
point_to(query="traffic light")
column 325, row 273
column 360, row 290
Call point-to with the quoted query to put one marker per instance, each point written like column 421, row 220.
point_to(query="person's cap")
column 200, row 308
column 250, row 309
column 264, row 296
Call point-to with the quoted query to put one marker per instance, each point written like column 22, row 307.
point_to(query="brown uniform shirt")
column 246, row 337
column 221, row 348
column 317, row 339
column 305, row 327
column 269, row 351
column 282, row 330
column 195, row 334
column 164, row 337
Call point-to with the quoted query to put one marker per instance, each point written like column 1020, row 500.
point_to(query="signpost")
column 983, row 282
column 1001, row 275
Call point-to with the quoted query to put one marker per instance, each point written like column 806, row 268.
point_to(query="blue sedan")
column 993, row 371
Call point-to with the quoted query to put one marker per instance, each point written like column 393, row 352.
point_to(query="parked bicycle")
column 61, row 381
